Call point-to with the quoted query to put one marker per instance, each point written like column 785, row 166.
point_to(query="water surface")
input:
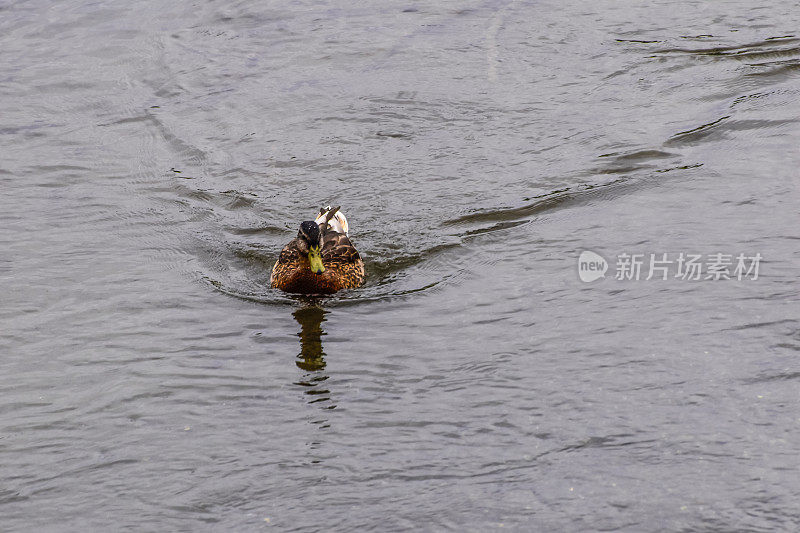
column 156, row 156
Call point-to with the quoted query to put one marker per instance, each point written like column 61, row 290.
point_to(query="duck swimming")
column 321, row 259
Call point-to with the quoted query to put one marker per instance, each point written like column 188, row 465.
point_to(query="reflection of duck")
column 312, row 357
column 321, row 260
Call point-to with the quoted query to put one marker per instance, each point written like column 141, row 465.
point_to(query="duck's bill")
column 315, row 259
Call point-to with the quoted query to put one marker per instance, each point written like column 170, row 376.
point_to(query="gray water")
column 155, row 156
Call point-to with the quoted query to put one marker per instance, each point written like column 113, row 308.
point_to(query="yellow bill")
column 315, row 259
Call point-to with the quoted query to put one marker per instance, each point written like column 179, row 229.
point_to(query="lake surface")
column 155, row 157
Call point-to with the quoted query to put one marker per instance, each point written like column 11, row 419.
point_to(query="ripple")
column 717, row 129
column 749, row 50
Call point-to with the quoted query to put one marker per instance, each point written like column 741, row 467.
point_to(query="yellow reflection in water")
column 312, row 356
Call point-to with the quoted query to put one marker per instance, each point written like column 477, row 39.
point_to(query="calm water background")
column 155, row 156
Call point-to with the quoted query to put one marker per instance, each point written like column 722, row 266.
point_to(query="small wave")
column 718, row 129
column 765, row 48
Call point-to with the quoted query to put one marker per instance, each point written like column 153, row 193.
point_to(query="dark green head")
column 310, row 233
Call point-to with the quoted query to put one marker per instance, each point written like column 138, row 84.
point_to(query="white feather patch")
column 337, row 223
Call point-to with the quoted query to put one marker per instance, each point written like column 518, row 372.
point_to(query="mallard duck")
column 321, row 259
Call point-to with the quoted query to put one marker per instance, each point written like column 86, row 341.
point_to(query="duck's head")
column 311, row 239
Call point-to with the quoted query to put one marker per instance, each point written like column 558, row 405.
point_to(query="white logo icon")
column 591, row 266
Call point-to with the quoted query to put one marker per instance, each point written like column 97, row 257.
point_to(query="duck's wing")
column 289, row 254
column 337, row 248
column 285, row 266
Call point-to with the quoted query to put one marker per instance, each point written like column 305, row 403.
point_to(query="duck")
column 321, row 259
